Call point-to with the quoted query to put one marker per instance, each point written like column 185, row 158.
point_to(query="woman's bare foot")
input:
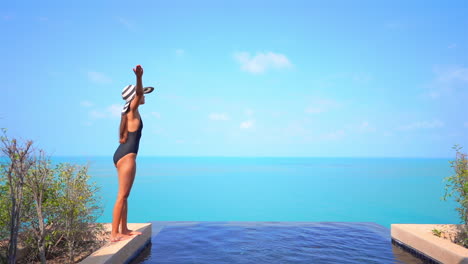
column 129, row 232
column 119, row 237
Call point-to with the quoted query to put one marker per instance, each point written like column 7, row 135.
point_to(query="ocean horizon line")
column 261, row 157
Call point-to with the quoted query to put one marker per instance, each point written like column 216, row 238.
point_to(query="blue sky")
column 244, row 78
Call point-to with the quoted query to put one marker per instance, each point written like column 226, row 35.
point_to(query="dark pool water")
column 271, row 242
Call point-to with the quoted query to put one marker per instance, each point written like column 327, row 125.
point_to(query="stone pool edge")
column 418, row 239
column 122, row 251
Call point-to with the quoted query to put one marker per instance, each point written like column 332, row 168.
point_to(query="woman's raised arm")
column 139, row 88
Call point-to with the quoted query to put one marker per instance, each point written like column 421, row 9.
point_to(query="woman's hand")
column 138, row 71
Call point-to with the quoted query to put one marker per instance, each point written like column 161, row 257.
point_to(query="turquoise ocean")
column 379, row 190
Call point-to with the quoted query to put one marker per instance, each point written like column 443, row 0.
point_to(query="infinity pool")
column 271, row 242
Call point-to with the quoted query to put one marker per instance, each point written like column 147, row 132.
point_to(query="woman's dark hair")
column 123, row 131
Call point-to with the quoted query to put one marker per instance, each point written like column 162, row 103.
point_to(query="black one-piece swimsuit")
column 131, row 146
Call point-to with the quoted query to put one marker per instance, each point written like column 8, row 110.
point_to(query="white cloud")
column 452, row 74
column 249, row 112
column 247, row 124
column 447, row 80
column 335, row 135
column 393, row 25
column 334, row 79
column 388, row 134
column 218, row 116
column 278, row 113
column 433, row 94
column 98, row 77
column 422, row 125
column 321, row 105
column 97, row 114
column 156, row 114
column 361, row 77
column 314, row 110
column 111, row 111
column 181, row 101
column 115, row 110
column 127, row 23
column 366, row 127
column 180, row 52
column 53, row 73
column 7, row 17
column 86, row 103
column 250, row 122
column 296, row 129
column 261, row 62
column 158, row 131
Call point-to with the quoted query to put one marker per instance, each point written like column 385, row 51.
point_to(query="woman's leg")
column 123, row 223
column 126, row 168
column 123, row 219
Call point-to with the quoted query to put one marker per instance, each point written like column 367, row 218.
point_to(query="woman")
column 131, row 126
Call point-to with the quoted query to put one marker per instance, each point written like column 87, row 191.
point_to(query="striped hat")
column 129, row 92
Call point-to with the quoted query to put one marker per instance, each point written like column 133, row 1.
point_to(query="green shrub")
column 437, row 232
column 457, row 188
column 77, row 207
column 57, row 211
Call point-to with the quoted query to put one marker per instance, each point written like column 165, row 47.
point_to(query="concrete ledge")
column 419, row 237
column 122, row 251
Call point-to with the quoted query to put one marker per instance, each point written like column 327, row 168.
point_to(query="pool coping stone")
column 122, row 251
column 418, row 239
